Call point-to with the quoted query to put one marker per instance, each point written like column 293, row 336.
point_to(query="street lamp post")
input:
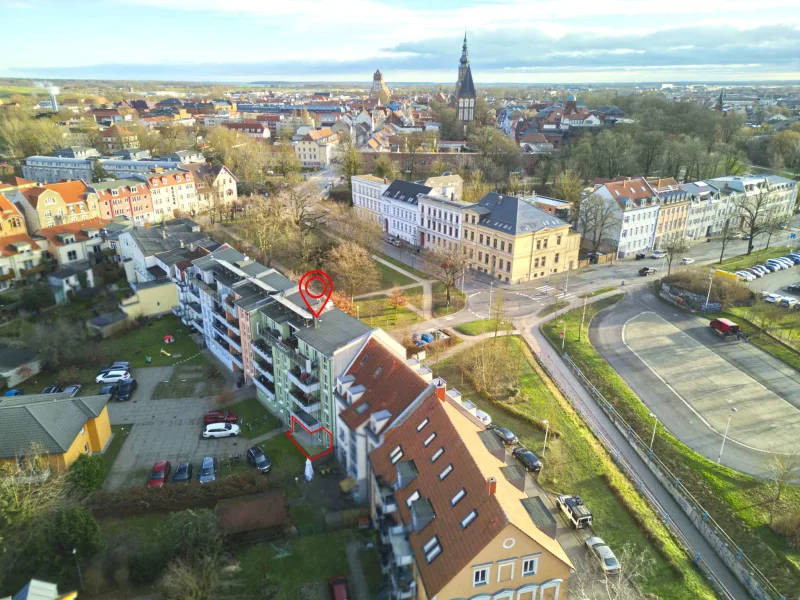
column 546, row 431
column 725, row 436
column 710, row 282
column 78, row 564
column 583, row 316
column 563, row 334
column 655, row 424
column 491, row 287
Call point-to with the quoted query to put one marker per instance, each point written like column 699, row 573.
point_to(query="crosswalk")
column 546, row 289
column 564, row 296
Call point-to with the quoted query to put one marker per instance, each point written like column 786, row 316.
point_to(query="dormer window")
column 115, row 192
column 134, row 189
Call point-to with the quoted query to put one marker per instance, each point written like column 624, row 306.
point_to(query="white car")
column 687, row 260
column 217, row 430
column 774, row 298
column 114, row 376
column 487, row 420
column 745, row 275
column 658, row 254
column 787, row 301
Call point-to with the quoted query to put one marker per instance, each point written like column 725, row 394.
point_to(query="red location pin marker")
column 309, row 296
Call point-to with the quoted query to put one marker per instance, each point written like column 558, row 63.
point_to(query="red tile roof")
column 115, row 131
column 51, row 233
column 8, row 208
column 390, row 384
column 70, row 191
column 635, row 188
column 6, row 249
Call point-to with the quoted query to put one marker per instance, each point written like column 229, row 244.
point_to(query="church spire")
column 464, row 56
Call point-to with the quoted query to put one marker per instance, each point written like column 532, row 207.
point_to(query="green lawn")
column 404, row 266
column 575, row 463
column 372, row 570
column 121, row 433
column 553, row 307
column 389, row 278
column 735, row 501
column 734, row 263
column 314, row 558
column 377, row 313
column 610, row 288
column 482, row 326
column 249, row 410
column 287, row 461
column 191, row 380
column 138, row 344
column 440, row 308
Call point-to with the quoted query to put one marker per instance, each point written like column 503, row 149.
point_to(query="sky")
column 510, row 41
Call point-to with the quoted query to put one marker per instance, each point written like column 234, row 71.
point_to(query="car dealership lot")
column 167, row 429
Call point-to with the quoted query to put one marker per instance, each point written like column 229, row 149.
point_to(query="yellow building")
column 116, row 138
column 455, row 521
column 57, row 204
column 150, row 299
column 53, row 425
column 512, row 240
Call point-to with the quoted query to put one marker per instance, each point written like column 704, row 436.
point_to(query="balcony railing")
column 265, row 369
column 265, row 386
column 237, row 359
column 233, row 340
column 36, row 269
column 198, row 324
column 307, row 402
column 263, row 350
column 9, row 275
column 210, row 289
column 303, row 380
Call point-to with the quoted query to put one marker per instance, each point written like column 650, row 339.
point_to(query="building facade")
column 117, row 138
column 440, row 223
column 57, row 204
column 173, row 193
column 635, row 207
column 512, row 240
column 317, row 147
column 125, row 198
column 52, row 169
column 367, row 192
column 400, row 210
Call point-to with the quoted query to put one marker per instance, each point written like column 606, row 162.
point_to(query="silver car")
column 600, row 550
column 208, row 470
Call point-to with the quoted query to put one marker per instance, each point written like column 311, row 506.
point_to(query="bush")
column 87, row 473
column 143, row 500
column 729, row 293
column 194, row 534
column 788, row 526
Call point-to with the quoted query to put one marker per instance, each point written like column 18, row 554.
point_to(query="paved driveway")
column 162, row 429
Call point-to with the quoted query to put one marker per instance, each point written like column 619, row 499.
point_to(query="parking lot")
column 712, row 375
column 168, row 429
column 778, row 282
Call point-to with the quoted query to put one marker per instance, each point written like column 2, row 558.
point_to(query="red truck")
column 725, row 327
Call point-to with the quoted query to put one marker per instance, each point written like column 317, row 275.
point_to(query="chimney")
column 441, row 386
column 181, row 243
column 491, row 486
column 499, row 199
column 385, row 180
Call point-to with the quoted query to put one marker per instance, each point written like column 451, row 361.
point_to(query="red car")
column 220, row 416
column 160, row 473
column 338, row 585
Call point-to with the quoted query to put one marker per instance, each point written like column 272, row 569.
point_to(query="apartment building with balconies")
column 453, row 510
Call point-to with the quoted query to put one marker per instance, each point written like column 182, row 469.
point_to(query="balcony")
column 33, row 270
column 237, row 359
column 303, row 380
column 403, row 584
column 198, row 324
column 307, row 402
column 265, row 386
column 340, row 400
column 220, row 316
column 233, row 340
column 6, row 276
column 388, row 501
column 395, row 537
column 265, row 369
column 263, row 350
column 208, row 288
column 194, row 293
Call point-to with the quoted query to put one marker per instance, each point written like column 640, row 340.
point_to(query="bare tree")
column 347, row 162
column 265, row 226
column 353, row 266
column 447, row 265
column 596, row 218
column 783, row 470
column 754, row 211
column 589, row 582
column 568, row 187
column 674, row 245
column 770, row 225
column 729, row 233
column 305, row 219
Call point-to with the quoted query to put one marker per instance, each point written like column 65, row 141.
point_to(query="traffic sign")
column 792, row 236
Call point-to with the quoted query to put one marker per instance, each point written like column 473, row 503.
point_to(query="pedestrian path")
column 267, row 436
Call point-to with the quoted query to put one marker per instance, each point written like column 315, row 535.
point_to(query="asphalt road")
column 690, row 378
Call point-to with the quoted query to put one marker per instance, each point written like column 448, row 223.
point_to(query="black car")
column 645, row 271
column 795, row 287
column 110, row 388
column 183, row 473
column 257, row 458
column 120, row 365
column 126, row 389
column 640, row 255
column 506, row 435
column 53, row 389
column 528, row 459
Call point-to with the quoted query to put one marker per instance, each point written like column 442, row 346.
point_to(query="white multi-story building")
column 317, row 147
column 172, row 192
column 780, row 199
column 367, row 191
column 707, row 210
column 636, row 208
column 440, row 222
column 401, row 209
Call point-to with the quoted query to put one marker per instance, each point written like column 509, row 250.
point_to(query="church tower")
column 379, row 89
column 465, row 88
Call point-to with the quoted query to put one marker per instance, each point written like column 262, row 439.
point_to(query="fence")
column 740, row 565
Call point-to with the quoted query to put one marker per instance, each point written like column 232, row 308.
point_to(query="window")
column 544, row 260
column 429, row 439
column 72, row 255
column 480, row 239
column 465, row 522
column 555, row 258
column 509, row 246
column 503, row 246
column 447, row 470
column 396, row 455
column 480, row 576
column 422, row 425
column 458, row 497
column 83, row 430
column 432, row 549
column 530, row 566
column 558, row 241
column 412, row 498
column 538, row 244
column 86, row 448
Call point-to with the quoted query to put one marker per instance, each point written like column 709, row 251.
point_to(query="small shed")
column 17, row 364
column 259, row 516
column 108, row 324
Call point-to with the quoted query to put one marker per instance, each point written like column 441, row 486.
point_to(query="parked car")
column 658, row 254
column 687, row 260
column 110, row 389
column 645, row 271
column 394, row 242
column 208, row 470
column 506, row 435
column 257, row 458
column 119, row 365
column 786, row 262
column 220, row 416
column 745, row 275
column 528, row 459
column 788, row 301
column 338, row 587
column 795, row 287
column 640, row 255
column 795, row 258
column 183, row 473
column 745, row 236
column 14, row 392
column 724, row 326
column 600, row 550
column 53, row 389
column 126, row 389
column 113, row 376
column 72, row 390
column 160, row 473
column 768, row 267
column 217, row 430
column 774, row 262
column 753, row 271
column 485, row 418
column 773, row 298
